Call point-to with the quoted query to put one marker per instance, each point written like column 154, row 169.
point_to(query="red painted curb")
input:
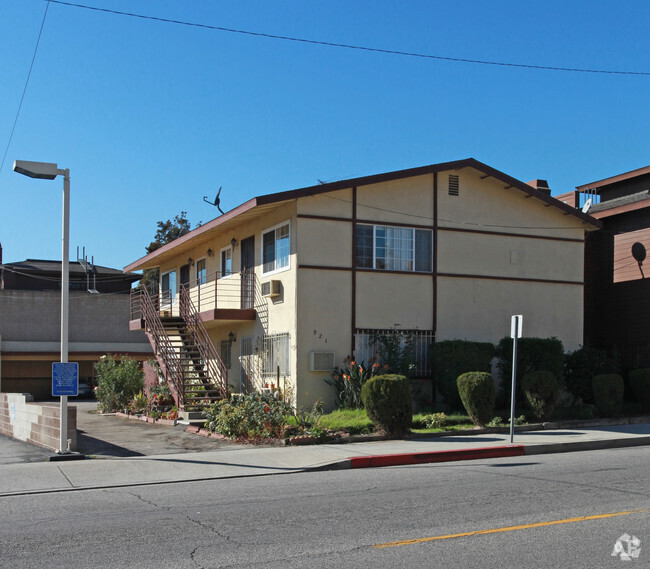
column 436, row 456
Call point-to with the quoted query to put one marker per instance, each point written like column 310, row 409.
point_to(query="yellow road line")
column 510, row 528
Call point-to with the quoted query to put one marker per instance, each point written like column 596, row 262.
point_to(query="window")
column 394, row 248
column 275, row 355
column 410, row 347
column 226, row 262
column 201, row 275
column 168, row 284
column 275, row 249
column 226, row 353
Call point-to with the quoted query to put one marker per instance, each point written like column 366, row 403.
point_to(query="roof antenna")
column 89, row 268
column 217, row 201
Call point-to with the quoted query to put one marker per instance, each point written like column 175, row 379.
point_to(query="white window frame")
column 276, row 269
column 413, row 240
column 222, row 274
column 201, row 280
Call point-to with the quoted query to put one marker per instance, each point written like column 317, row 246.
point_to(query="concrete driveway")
column 110, row 436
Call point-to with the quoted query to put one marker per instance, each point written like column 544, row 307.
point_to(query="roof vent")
column 454, row 185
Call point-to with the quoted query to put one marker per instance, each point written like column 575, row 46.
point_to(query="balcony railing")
column 211, row 292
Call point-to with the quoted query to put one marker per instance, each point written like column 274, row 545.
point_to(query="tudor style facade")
column 291, row 283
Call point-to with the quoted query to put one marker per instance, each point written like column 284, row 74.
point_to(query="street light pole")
column 65, row 301
column 49, row 171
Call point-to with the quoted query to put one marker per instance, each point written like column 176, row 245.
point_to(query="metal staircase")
column 188, row 359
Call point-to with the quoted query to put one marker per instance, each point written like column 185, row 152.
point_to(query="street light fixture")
column 49, row 171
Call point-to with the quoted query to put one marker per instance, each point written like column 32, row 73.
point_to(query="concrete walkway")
column 237, row 461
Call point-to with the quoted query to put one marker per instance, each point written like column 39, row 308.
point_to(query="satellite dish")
column 585, row 208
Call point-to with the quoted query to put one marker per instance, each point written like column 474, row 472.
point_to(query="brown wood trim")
column 228, row 314
column 506, row 234
column 435, row 255
column 353, row 315
column 324, row 217
column 435, row 225
column 390, row 272
column 324, row 268
column 393, row 224
column 88, row 356
column 519, row 279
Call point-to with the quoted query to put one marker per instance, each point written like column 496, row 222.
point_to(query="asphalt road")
column 339, row 518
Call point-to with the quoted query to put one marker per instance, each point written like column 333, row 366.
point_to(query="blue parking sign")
column 65, row 379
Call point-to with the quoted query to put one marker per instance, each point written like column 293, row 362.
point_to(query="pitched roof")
column 612, row 180
column 265, row 201
column 45, row 266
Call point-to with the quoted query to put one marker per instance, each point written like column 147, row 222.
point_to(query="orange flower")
column 385, row 366
column 352, row 363
column 375, row 365
column 360, row 369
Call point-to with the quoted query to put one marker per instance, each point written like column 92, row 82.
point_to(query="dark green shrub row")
column 477, row 394
column 533, row 354
column 581, row 366
column 387, row 401
column 640, row 384
column 608, row 393
column 451, row 358
column 541, row 389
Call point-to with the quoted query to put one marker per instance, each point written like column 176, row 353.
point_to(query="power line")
column 351, row 46
column 25, row 88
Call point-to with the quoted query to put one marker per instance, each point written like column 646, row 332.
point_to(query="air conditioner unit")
column 271, row 289
column 321, row 361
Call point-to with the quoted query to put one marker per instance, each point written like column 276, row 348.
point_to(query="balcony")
column 215, row 297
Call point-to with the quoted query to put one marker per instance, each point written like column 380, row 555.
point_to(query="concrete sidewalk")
column 41, row 477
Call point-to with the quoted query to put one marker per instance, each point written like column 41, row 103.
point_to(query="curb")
column 401, row 459
column 578, row 446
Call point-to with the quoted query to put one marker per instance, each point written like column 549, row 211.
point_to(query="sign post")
column 65, row 382
column 515, row 333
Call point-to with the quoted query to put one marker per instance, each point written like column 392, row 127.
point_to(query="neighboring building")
column 617, row 272
column 30, row 316
column 294, row 282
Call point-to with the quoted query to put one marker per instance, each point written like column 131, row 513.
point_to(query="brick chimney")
column 541, row 185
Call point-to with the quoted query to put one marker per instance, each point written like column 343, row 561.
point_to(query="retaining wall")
column 35, row 423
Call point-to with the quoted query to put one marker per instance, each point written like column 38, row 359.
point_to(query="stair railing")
column 163, row 348
column 217, row 371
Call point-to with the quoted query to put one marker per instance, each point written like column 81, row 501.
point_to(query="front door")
column 247, row 247
column 185, row 275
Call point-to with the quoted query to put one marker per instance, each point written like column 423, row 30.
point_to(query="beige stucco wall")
column 407, row 201
column 481, row 309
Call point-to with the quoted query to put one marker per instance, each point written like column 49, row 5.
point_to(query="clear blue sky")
column 152, row 116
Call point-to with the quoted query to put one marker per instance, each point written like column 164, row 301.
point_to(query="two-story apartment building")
column 289, row 284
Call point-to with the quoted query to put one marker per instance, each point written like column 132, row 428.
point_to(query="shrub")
column 452, row 358
column 476, row 390
column 348, row 381
column 608, row 393
column 435, row 420
column 640, row 384
column 541, row 389
column 387, row 400
column 533, row 354
column 254, row 416
column 117, row 382
column 581, row 366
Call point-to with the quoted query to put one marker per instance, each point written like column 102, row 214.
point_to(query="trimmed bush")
column 387, row 401
column 608, row 393
column 477, row 393
column 640, row 384
column 581, row 366
column 533, row 354
column 541, row 389
column 452, row 358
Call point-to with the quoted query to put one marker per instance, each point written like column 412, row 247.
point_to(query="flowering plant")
column 348, row 381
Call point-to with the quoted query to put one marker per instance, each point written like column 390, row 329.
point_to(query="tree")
column 166, row 233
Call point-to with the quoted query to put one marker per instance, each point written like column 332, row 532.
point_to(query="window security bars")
column 368, row 347
column 274, row 355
